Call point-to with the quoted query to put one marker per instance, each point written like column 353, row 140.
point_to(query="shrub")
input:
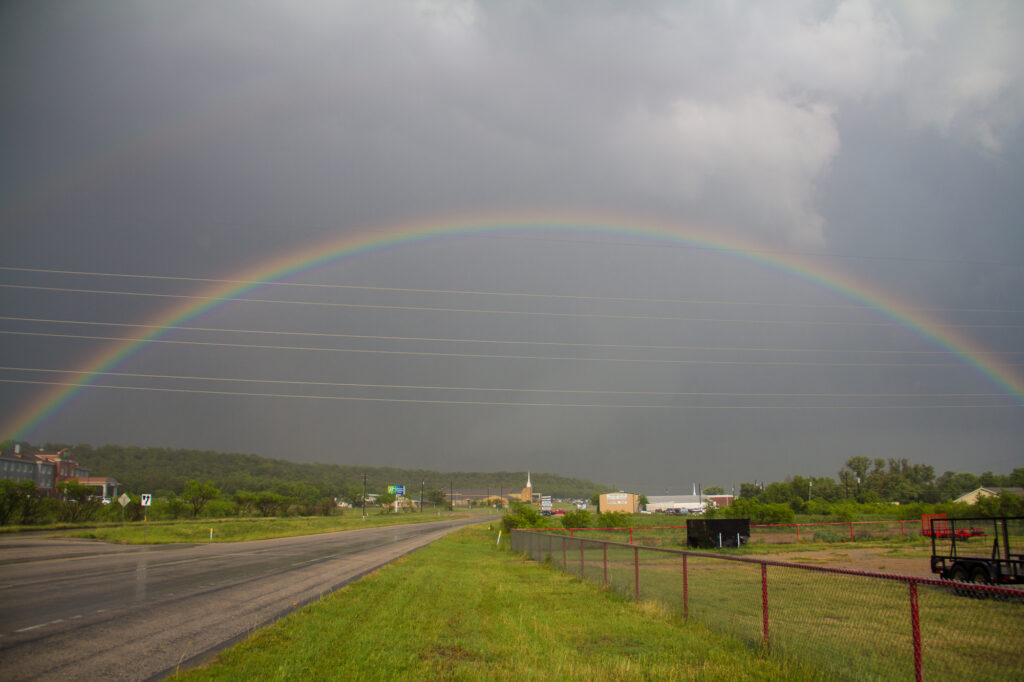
column 827, row 535
column 578, row 518
column 613, row 520
column 523, row 516
column 220, row 508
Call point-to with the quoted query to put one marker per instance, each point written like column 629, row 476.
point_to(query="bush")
column 219, row 509
column 757, row 512
column 523, row 516
column 613, row 520
column 827, row 535
column 578, row 518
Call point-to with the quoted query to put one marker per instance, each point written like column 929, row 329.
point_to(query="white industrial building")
column 686, row 504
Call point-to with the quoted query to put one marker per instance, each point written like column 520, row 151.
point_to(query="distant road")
column 80, row 609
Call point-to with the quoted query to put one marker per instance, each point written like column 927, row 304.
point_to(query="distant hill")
column 142, row 469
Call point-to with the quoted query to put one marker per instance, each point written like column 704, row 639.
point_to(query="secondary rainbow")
column 21, row 424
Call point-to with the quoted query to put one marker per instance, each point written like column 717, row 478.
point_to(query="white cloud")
column 762, row 149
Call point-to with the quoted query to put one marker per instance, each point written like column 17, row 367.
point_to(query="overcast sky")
column 198, row 139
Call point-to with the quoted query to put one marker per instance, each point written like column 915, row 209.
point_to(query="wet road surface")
column 80, row 609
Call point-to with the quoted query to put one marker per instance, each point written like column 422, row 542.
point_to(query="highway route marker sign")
column 147, row 499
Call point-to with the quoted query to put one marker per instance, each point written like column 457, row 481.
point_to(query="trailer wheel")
column 959, row 573
column 980, row 575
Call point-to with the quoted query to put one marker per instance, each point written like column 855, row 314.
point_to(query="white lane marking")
column 41, row 625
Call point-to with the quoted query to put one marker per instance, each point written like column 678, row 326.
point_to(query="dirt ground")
column 895, row 561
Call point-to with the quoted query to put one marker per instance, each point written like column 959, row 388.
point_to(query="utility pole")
column 364, row 497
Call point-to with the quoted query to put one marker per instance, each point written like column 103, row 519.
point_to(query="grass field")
column 464, row 609
column 850, row 627
column 239, row 529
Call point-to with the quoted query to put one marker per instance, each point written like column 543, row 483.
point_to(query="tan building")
column 620, row 502
column 989, row 491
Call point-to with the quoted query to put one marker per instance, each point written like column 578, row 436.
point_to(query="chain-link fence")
column 849, row 624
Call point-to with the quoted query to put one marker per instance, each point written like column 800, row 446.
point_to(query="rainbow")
column 21, row 424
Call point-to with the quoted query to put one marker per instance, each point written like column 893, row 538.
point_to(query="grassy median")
column 464, row 609
column 241, row 529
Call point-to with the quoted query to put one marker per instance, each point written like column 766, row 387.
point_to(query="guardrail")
column 850, row 624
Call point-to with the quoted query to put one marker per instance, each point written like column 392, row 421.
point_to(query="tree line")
column 866, row 480
column 154, row 469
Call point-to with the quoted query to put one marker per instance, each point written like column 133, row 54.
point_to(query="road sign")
column 396, row 489
column 147, row 499
column 124, row 500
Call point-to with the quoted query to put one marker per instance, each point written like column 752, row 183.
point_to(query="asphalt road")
column 79, row 609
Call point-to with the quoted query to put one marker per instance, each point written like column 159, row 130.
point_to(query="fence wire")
column 851, row 625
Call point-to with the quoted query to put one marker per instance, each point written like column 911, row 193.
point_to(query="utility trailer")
column 956, row 556
column 935, row 525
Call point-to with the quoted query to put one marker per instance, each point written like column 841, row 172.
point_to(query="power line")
column 491, row 311
column 140, row 375
column 488, row 355
column 376, row 337
column 509, row 403
column 473, row 292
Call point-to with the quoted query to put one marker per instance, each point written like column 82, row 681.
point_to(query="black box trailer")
column 711, row 533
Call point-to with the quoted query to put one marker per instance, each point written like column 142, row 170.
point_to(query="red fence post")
column 903, row 529
column 636, row 570
column 686, row 592
column 764, row 603
column 851, row 531
column 915, row 625
column 605, row 545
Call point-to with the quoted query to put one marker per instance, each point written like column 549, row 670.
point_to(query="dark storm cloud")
column 196, row 139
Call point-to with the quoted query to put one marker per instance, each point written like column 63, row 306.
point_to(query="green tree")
column 245, row 500
column 714, row 490
column 198, row 493
column 749, row 490
column 78, row 502
column 386, row 500
column 436, row 497
column 14, row 495
column 268, row 503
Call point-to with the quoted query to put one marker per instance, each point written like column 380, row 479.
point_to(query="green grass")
column 849, row 627
column 463, row 609
column 239, row 529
